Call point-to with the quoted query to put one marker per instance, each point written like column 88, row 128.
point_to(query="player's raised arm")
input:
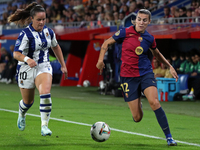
column 100, row 64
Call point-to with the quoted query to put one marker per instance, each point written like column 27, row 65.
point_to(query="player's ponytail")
column 22, row 16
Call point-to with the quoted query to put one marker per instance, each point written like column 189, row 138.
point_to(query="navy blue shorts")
column 133, row 86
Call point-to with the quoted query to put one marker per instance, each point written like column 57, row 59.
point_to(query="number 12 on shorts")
column 125, row 87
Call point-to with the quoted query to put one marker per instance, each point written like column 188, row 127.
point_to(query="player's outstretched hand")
column 64, row 71
column 173, row 72
column 31, row 63
column 100, row 65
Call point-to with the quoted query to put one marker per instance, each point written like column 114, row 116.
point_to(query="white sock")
column 23, row 108
column 45, row 108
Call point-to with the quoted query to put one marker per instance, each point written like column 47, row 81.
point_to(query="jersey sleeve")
column 54, row 41
column 153, row 45
column 21, row 42
column 119, row 35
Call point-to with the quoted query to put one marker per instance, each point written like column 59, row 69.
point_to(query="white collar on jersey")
column 32, row 29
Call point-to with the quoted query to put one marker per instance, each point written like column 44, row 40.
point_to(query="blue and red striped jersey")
column 133, row 50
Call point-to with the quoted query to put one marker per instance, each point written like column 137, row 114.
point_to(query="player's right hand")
column 100, row 65
column 64, row 71
column 31, row 63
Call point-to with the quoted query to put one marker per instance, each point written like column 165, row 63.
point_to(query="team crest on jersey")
column 47, row 34
column 21, row 82
column 139, row 50
column 126, row 95
column 18, row 42
column 97, row 46
column 140, row 39
column 117, row 33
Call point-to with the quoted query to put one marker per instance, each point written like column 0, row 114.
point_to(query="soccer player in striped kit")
column 34, row 69
column 136, row 74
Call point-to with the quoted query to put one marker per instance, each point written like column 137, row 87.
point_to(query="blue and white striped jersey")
column 35, row 44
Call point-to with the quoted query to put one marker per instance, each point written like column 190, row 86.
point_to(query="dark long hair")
column 22, row 16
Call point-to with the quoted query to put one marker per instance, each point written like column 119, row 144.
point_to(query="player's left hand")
column 173, row 72
column 64, row 71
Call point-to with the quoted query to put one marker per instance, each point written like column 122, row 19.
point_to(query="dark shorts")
column 133, row 86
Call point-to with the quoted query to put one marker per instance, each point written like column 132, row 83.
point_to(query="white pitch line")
column 118, row 130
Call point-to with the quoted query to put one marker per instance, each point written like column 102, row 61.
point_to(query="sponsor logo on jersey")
column 97, row 46
column 117, row 33
column 139, row 50
column 140, row 39
column 18, row 42
column 43, row 45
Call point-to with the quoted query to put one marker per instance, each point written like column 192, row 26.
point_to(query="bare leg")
column 136, row 110
column 27, row 95
column 43, row 83
column 152, row 97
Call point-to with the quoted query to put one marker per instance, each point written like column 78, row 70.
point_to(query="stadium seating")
column 178, row 3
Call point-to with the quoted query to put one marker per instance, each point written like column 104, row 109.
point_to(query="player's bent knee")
column 154, row 104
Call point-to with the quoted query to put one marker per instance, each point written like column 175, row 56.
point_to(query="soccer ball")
column 86, row 83
column 102, row 85
column 100, row 131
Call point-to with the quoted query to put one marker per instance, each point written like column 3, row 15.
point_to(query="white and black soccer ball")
column 102, row 85
column 100, row 131
column 86, row 83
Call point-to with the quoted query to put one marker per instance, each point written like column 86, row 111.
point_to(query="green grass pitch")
column 75, row 109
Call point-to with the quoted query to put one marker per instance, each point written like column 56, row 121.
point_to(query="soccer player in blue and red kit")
column 136, row 74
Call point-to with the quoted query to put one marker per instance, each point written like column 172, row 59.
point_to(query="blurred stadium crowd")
column 60, row 11
column 185, row 63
